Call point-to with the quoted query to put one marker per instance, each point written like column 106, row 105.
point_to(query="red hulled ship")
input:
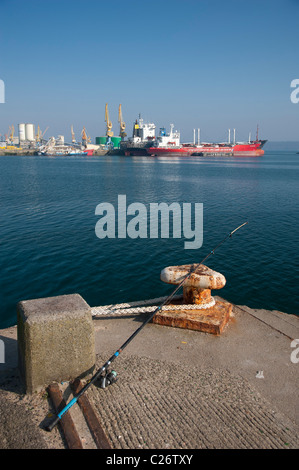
column 169, row 144
column 144, row 142
column 249, row 149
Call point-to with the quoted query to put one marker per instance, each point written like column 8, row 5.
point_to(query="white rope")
column 140, row 302
column 135, row 308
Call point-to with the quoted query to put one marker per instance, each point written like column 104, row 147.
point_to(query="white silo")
column 30, row 134
column 22, row 133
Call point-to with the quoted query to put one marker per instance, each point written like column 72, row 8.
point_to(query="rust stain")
column 202, row 277
column 211, row 320
column 192, row 295
column 70, row 432
column 91, row 418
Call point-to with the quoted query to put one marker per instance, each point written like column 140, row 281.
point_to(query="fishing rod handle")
column 52, row 424
column 59, row 416
column 75, row 399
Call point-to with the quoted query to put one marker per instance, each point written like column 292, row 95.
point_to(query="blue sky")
column 205, row 64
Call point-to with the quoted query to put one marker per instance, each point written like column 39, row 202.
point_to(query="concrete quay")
column 177, row 388
column 16, row 151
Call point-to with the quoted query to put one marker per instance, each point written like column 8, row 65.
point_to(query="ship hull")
column 131, row 150
column 253, row 149
column 249, row 153
column 136, row 152
column 156, row 151
column 190, row 151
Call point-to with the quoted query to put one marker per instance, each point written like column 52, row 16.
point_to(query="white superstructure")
column 143, row 132
column 168, row 140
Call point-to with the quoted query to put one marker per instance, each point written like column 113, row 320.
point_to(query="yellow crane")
column 44, row 132
column 11, row 132
column 40, row 134
column 83, row 133
column 37, row 137
column 85, row 139
column 122, row 124
column 109, row 132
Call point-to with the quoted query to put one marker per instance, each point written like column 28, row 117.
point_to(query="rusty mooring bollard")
column 210, row 315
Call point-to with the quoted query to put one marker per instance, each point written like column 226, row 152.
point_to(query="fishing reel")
column 109, row 378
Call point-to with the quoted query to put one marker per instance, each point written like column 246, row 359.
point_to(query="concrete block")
column 55, row 340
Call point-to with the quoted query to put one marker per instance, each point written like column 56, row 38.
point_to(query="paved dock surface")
column 177, row 389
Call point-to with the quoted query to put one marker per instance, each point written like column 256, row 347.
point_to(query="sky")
column 207, row 64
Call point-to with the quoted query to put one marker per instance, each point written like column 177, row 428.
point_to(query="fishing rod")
column 110, row 378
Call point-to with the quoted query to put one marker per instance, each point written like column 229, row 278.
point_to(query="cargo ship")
column 142, row 138
column 169, row 144
column 144, row 142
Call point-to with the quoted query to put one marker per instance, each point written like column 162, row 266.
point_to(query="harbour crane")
column 84, row 136
column 44, row 132
column 85, row 139
column 37, row 137
column 109, row 132
column 40, row 134
column 121, row 124
column 11, row 133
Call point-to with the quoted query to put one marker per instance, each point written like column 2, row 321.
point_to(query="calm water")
column 48, row 244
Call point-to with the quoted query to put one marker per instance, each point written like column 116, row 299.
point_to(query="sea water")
column 49, row 247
